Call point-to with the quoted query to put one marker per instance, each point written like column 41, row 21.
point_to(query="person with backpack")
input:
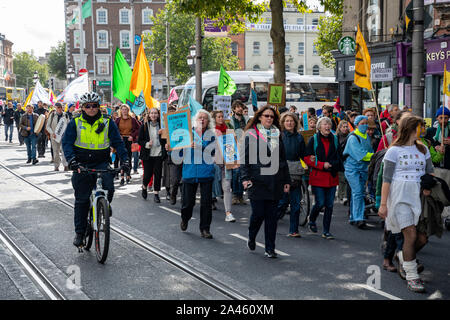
column 342, row 133
column 323, row 158
column 357, row 153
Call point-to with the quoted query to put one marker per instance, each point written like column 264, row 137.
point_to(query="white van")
column 301, row 91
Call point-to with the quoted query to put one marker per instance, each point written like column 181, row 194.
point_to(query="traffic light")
column 94, row 85
column 52, row 84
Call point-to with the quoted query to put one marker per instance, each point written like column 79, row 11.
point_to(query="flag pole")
column 80, row 18
column 93, row 42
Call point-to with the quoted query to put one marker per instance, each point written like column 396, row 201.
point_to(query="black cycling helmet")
column 90, row 97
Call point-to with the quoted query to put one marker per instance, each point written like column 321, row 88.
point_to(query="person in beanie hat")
column 358, row 151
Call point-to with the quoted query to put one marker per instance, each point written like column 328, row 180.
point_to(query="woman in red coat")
column 323, row 157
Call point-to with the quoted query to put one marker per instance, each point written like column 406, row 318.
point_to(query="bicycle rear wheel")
column 304, row 204
column 103, row 232
column 89, row 235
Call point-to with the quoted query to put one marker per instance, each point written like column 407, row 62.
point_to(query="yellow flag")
column 362, row 63
column 141, row 79
column 28, row 99
column 446, row 81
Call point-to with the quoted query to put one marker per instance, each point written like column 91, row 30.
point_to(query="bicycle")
column 305, row 205
column 98, row 225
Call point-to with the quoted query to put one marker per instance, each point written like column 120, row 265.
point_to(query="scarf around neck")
column 271, row 135
column 222, row 128
column 438, row 136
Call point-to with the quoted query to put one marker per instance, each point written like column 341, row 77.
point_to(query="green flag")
column 122, row 78
column 227, row 86
column 86, row 9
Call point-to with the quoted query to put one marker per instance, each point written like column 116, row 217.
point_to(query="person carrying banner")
column 53, row 121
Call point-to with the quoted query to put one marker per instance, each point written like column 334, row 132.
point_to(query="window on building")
column 256, row 47
column 102, row 39
column 314, row 50
column 316, row 70
column 102, row 16
column 315, row 22
column 301, row 48
column 124, row 16
column 270, row 47
column 234, row 48
column 147, row 16
column 269, row 21
column 287, row 68
column 256, row 67
column 301, row 70
column 103, row 65
column 124, row 39
column 300, row 21
column 287, row 49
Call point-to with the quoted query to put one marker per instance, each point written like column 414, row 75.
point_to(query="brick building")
column 112, row 29
column 7, row 76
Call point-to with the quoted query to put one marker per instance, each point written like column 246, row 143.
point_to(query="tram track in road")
column 38, row 277
column 220, row 286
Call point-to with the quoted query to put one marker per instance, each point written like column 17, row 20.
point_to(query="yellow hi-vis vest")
column 87, row 138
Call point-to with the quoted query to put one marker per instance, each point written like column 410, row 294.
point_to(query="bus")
column 13, row 94
column 302, row 92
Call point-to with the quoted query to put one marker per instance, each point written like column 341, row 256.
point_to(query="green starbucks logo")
column 347, row 46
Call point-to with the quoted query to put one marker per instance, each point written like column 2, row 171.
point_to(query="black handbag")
column 296, row 171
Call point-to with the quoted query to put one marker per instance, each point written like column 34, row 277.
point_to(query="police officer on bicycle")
column 86, row 144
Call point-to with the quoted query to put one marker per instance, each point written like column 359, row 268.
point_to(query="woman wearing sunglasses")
column 265, row 179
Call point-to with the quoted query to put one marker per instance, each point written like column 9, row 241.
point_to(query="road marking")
column 173, row 211
column 281, row 253
column 381, row 293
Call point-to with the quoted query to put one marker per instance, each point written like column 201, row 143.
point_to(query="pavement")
column 309, row 268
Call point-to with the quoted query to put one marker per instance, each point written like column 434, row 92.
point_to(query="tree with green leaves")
column 330, row 32
column 57, row 60
column 235, row 13
column 216, row 51
column 25, row 64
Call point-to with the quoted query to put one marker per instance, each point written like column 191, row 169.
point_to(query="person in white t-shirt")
column 405, row 162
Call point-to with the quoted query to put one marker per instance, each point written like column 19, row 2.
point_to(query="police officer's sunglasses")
column 92, row 106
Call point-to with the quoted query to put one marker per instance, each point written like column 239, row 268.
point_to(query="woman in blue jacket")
column 198, row 169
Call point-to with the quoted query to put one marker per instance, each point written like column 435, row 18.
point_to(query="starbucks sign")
column 347, row 46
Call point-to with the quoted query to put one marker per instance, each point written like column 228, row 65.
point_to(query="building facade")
column 7, row 76
column 383, row 24
column 300, row 34
column 112, row 29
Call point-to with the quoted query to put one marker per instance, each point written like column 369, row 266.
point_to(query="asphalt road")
column 307, row 268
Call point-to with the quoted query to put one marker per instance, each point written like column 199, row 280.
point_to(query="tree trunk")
column 278, row 40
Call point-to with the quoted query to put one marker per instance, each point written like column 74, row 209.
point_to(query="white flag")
column 39, row 94
column 75, row 90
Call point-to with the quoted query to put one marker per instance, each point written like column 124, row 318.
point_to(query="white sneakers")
column 230, row 218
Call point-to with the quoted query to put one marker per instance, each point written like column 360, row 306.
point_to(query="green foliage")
column 57, row 60
column 215, row 51
column 330, row 31
column 25, row 64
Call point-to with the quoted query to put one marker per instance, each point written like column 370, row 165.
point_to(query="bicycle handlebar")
column 86, row 170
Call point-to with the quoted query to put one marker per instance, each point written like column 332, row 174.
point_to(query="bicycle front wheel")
column 304, row 204
column 89, row 235
column 103, row 232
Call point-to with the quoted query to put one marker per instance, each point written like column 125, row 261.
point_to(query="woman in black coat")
column 153, row 152
column 266, row 179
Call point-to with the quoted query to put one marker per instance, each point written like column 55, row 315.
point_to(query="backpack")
column 345, row 156
column 316, row 144
column 374, row 166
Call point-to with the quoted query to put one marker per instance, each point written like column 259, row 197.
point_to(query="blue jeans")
column 357, row 181
column 135, row 160
column 10, row 128
column 264, row 211
column 217, row 183
column 236, row 183
column 324, row 198
column 293, row 198
column 30, row 142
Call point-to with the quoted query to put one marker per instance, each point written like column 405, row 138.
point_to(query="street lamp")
column 70, row 74
column 35, row 77
column 191, row 58
column 192, row 51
